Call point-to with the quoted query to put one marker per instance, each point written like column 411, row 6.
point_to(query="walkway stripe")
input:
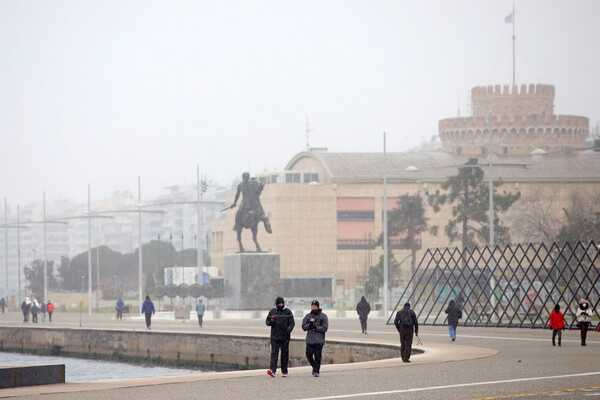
column 347, row 396
column 538, row 393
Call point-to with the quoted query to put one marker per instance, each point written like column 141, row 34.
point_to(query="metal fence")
column 511, row 286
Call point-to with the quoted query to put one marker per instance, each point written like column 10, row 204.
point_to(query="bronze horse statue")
column 250, row 212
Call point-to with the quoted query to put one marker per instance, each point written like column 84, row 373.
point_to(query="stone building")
column 326, row 208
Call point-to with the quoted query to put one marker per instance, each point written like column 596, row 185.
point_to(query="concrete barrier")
column 215, row 351
column 31, row 375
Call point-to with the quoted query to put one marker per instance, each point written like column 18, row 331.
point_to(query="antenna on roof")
column 307, row 131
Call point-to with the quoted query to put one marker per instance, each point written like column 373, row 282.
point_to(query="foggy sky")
column 100, row 92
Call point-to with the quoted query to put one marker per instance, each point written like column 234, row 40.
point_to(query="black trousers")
column 313, row 355
column 148, row 320
column 284, row 346
column 556, row 332
column 584, row 328
column 50, row 315
column 406, row 339
column 363, row 324
column 200, row 320
column 120, row 314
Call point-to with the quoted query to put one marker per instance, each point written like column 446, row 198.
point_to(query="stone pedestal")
column 252, row 281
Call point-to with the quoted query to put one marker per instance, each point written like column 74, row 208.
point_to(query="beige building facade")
column 326, row 209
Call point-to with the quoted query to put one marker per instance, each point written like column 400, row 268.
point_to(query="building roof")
column 564, row 167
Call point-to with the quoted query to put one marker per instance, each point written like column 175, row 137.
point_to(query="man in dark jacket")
column 315, row 324
column 148, row 310
column 363, row 309
column 454, row 314
column 406, row 321
column 281, row 321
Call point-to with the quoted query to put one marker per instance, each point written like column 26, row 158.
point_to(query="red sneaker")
column 270, row 373
column 284, row 375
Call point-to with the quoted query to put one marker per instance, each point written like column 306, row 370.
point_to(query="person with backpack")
column 406, row 322
column 454, row 314
column 281, row 321
column 120, row 306
column 50, row 308
column 363, row 309
column 557, row 324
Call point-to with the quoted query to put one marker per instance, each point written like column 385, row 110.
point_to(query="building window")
column 355, row 215
column 292, row 177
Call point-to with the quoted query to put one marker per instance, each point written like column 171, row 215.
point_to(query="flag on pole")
column 509, row 18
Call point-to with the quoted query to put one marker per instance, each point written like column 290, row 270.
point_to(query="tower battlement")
column 507, row 100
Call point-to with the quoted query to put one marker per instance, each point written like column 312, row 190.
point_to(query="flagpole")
column 513, row 38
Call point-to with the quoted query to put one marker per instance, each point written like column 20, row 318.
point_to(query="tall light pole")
column 45, row 254
column 140, row 239
column 491, row 215
column 385, row 232
column 19, row 251
column 199, row 257
column 5, row 250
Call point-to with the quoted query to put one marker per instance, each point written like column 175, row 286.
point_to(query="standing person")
column 315, row 324
column 405, row 322
column 119, row 307
column 148, row 310
column 200, row 311
column 2, row 304
column 43, row 309
column 454, row 314
column 557, row 324
column 35, row 308
column 584, row 317
column 281, row 321
column 50, row 308
column 25, row 309
column 363, row 309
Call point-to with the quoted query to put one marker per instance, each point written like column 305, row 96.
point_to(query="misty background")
column 101, row 92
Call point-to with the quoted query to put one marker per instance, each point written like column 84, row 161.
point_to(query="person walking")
column 43, row 309
column 35, row 309
column 200, row 308
column 315, row 324
column 281, row 321
column 363, row 308
column 148, row 310
column 50, row 308
column 25, row 309
column 584, row 317
column 454, row 314
column 557, row 324
column 120, row 306
column 405, row 322
column 2, row 304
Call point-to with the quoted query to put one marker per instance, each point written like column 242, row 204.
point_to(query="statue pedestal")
column 252, row 281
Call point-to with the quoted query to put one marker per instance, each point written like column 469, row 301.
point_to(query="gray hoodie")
column 315, row 331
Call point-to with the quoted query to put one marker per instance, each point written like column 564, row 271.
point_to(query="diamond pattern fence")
column 511, row 286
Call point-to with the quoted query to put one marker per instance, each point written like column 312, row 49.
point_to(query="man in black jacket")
column 406, row 321
column 281, row 321
column 363, row 309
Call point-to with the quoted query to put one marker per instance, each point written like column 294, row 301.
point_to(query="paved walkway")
column 481, row 361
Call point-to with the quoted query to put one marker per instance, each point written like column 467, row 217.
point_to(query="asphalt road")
column 526, row 365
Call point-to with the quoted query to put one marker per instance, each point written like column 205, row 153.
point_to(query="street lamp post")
column 385, row 232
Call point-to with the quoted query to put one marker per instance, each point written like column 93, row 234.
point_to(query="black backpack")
column 406, row 321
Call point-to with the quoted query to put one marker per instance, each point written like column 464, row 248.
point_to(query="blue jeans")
column 452, row 330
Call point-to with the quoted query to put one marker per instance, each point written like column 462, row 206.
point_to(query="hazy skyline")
column 101, row 92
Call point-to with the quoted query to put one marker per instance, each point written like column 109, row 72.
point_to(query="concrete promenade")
column 482, row 363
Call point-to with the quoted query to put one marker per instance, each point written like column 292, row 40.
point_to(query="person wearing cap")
column 584, row 317
column 405, row 322
column 315, row 324
column 281, row 321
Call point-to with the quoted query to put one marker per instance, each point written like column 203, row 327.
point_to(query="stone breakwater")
column 217, row 351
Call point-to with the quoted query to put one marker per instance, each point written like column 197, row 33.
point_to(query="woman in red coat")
column 557, row 323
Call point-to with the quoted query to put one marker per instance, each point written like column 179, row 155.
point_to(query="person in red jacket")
column 50, row 308
column 557, row 323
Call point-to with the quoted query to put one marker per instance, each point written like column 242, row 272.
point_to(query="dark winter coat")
column 454, row 313
column 406, row 314
column 315, row 331
column 281, row 322
column 363, row 308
